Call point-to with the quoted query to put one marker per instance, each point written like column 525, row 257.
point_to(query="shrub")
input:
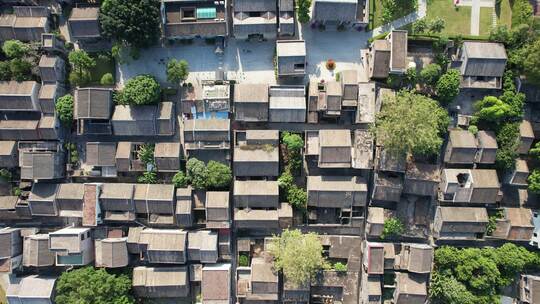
column 15, row 49
column 146, row 153
column 340, row 267
column 64, row 109
column 431, row 73
column 180, row 180
column 473, row 129
column 140, row 90
column 21, row 69
column 392, row 227
column 243, row 260
column 297, row 197
column 286, row 180
column 448, row 86
column 534, row 181
column 492, row 222
column 107, row 79
column 77, row 79
column 148, row 177
column 16, row 191
column 5, row 71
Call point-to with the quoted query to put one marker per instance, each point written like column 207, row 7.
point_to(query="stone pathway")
column 475, row 12
column 410, row 18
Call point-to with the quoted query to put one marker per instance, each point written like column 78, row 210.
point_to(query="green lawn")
column 458, row 20
column 504, row 14
column 486, row 20
column 375, row 10
column 103, row 65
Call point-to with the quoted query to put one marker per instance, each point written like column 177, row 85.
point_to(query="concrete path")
column 410, row 18
column 475, row 12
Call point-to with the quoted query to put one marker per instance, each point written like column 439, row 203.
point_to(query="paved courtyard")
column 250, row 62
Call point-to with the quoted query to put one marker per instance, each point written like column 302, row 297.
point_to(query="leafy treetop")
column 298, row 255
column 140, row 90
column 93, row 286
column 411, row 123
column 134, row 22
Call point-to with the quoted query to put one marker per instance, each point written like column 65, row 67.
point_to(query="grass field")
column 504, row 13
column 486, row 20
column 103, row 65
column 458, row 20
column 375, row 9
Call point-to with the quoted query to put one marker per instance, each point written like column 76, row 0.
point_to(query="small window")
column 82, row 237
column 188, row 13
column 254, row 14
column 299, row 66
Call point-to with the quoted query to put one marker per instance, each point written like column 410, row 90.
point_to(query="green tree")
column 501, row 33
column 180, row 180
column 81, row 62
column 392, row 227
column 447, row 290
column 411, row 123
column 148, row 177
column 293, row 141
column 436, row 25
column 430, row 74
column 285, row 180
column 177, row 71
column 511, row 260
column 21, row 69
column 448, row 86
column 411, row 76
column 15, row 49
column 522, row 13
column 135, row 22
column 140, row 90
column 480, row 273
column 419, row 26
column 531, row 62
column 196, row 173
column 146, row 153
column 508, row 144
column 93, row 286
column 107, row 79
column 5, row 71
column 303, row 10
column 218, row 175
column 492, row 110
column 297, row 197
column 299, row 256
column 534, row 181
column 64, row 109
